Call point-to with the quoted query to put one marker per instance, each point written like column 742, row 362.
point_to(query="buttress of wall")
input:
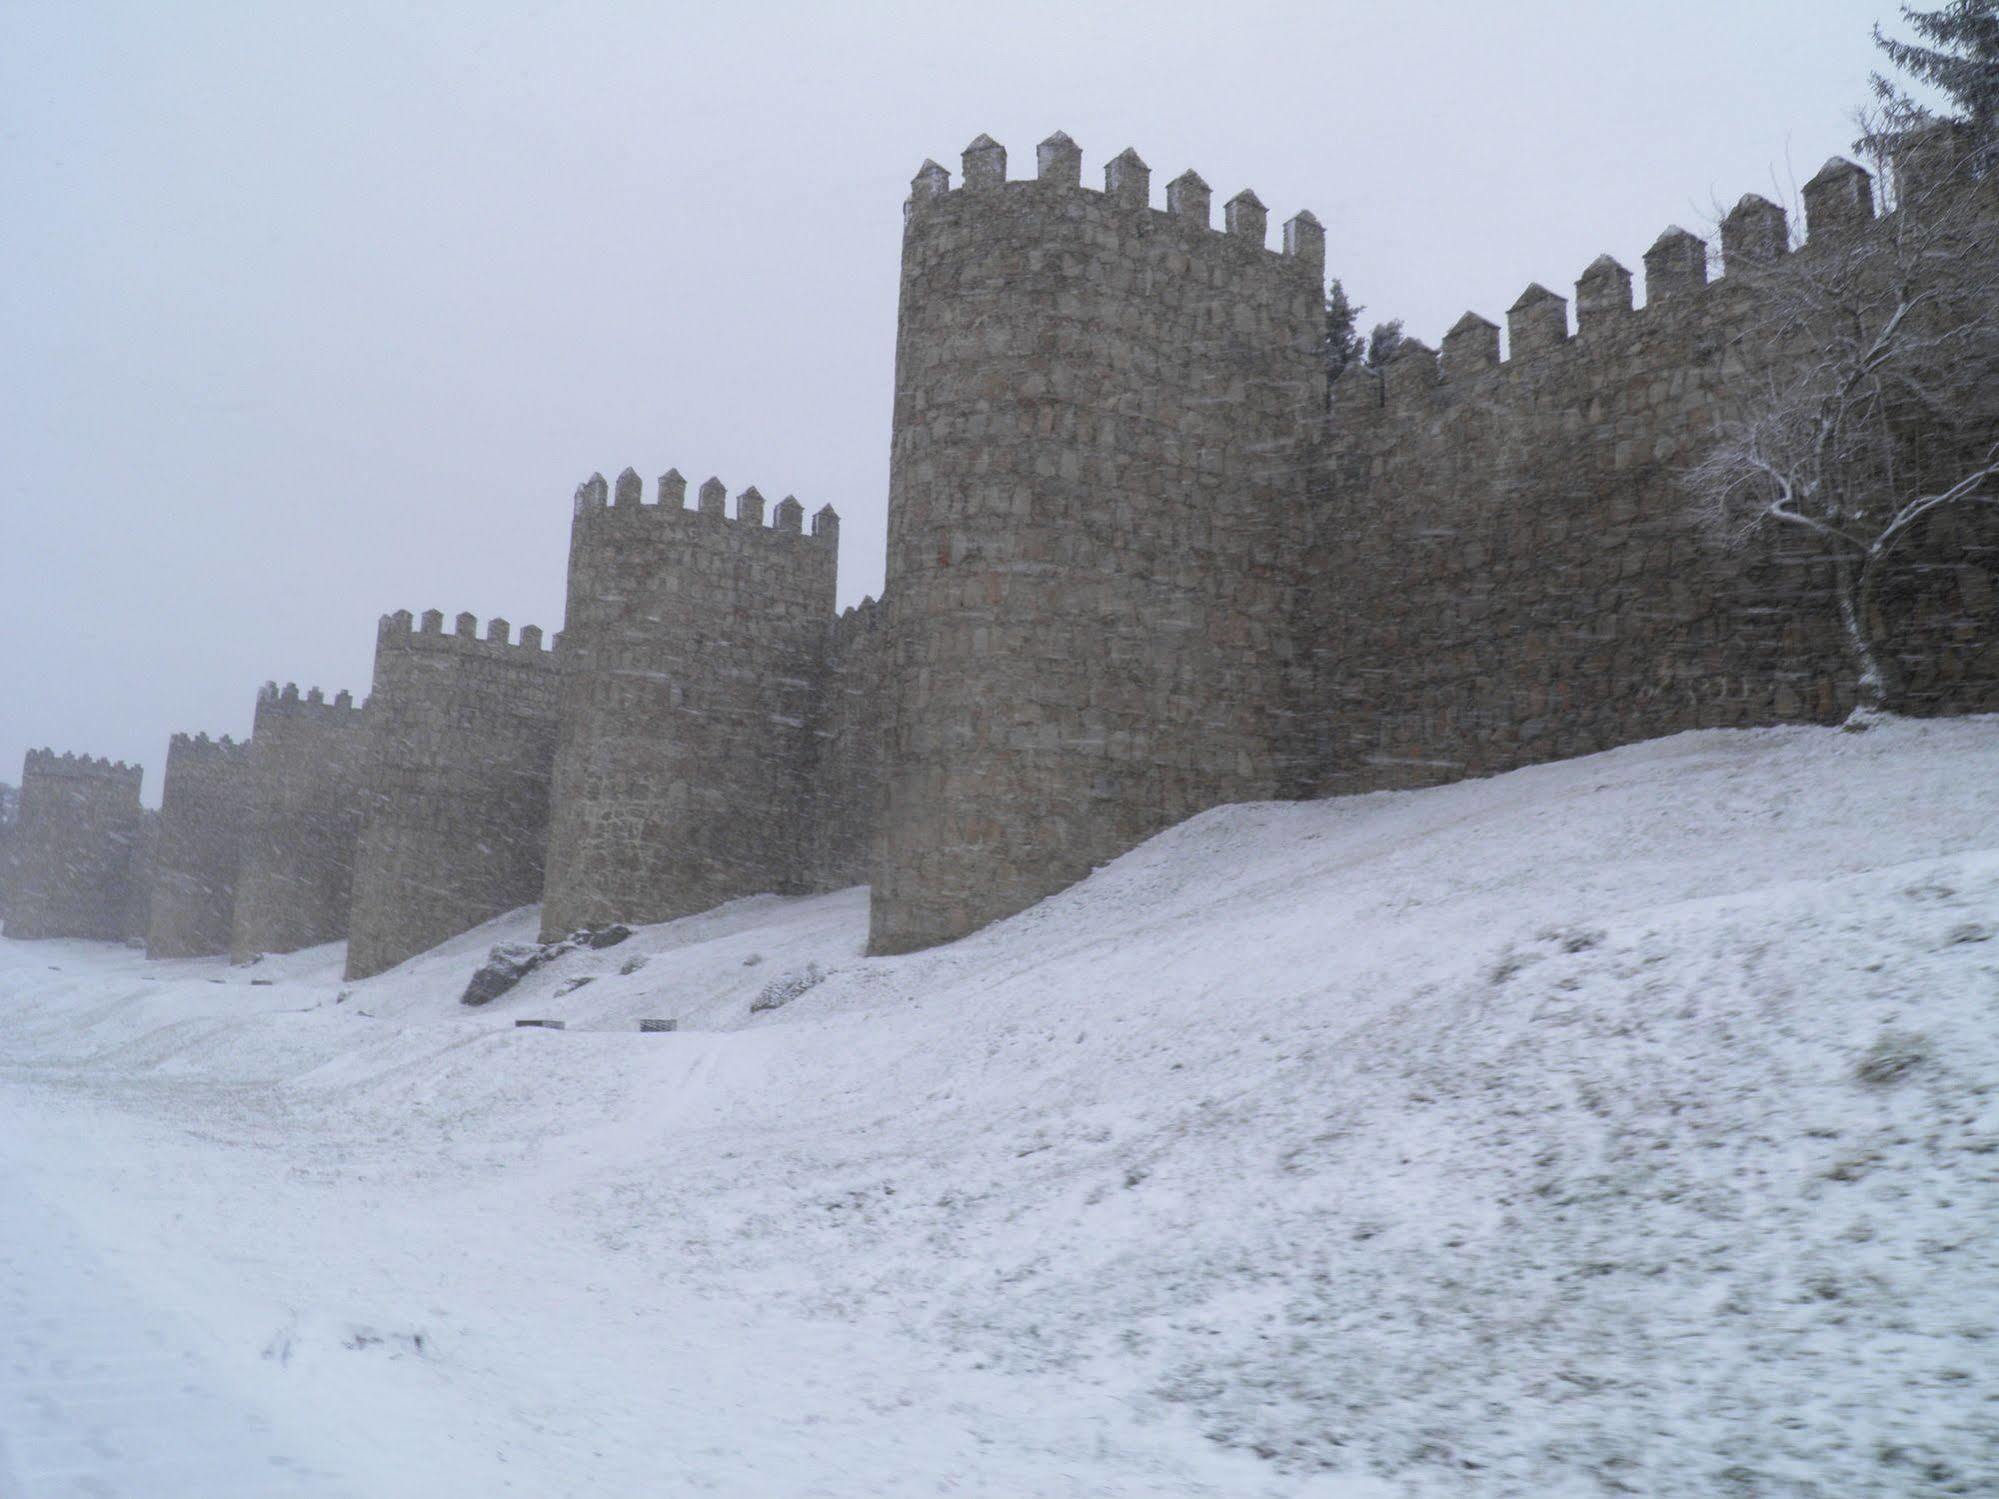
column 74, row 848
column 198, row 854
column 692, row 645
column 850, row 744
column 1510, row 568
column 462, row 740
column 308, row 762
column 1104, row 422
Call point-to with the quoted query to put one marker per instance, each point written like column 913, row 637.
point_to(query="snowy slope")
column 1619, row 1126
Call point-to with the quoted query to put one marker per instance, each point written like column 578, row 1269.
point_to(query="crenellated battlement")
column 866, row 615
column 79, row 850
column 1141, row 562
column 598, row 504
column 1685, row 314
column 205, row 804
column 199, row 748
column 288, row 702
column 46, row 762
column 1127, row 184
column 403, row 631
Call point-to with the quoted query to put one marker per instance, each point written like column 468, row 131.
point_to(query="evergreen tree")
column 1957, row 53
column 1383, row 342
column 1343, row 342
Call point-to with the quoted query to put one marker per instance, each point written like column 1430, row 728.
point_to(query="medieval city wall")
column 74, row 844
column 850, row 748
column 1104, row 424
column 1508, row 564
column 1141, row 561
column 198, row 851
column 307, row 779
column 692, row 650
column 461, row 743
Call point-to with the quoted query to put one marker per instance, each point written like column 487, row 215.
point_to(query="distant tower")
column 198, row 853
column 78, row 867
column 308, row 761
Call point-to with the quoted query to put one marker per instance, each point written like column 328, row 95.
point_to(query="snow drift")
column 1624, row 1125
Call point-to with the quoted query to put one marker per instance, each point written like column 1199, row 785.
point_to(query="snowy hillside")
column 1623, row 1126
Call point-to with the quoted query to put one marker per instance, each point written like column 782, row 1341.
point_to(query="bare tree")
column 1879, row 402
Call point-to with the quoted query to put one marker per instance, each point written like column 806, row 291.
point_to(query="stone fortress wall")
column 75, row 841
column 198, row 854
column 693, row 646
column 307, row 784
column 461, row 740
column 1508, row 569
column 1141, row 561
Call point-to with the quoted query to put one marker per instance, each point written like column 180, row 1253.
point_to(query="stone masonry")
column 1141, row 561
column 1105, row 424
column 307, row 782
column 693, row 646
column 461, row 741
column 74, row 843
column 198, row 854
column 1506, row 567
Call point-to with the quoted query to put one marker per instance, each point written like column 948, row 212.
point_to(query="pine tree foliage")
column 1956, row 52
column 1343, row 341
column 1383, row 342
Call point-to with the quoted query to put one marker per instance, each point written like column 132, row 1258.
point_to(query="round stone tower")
column 1105, row 423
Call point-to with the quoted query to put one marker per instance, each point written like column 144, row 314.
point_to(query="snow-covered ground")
column 1623, row 1126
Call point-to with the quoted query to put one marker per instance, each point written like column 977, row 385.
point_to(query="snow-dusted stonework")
column 1138, row 567
column 461, row 738
column 695, row 646
column 1508, row 566
column 78, row 857
column 198, row 853
column 1142, row 561
column 308, row 764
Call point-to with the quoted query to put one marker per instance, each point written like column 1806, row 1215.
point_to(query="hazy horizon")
column 318, row 316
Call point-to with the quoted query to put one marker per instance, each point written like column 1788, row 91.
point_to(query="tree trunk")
column 1854, row 582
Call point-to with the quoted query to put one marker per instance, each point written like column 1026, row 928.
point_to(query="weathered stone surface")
column 77, row 850
column 461, row 742
column 1104, row 419
column 694, row 673
column 1509, row 570
column 308, row 766
column 1141, row 561
column 198, row 856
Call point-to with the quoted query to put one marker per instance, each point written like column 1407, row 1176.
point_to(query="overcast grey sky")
column 311, row 312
